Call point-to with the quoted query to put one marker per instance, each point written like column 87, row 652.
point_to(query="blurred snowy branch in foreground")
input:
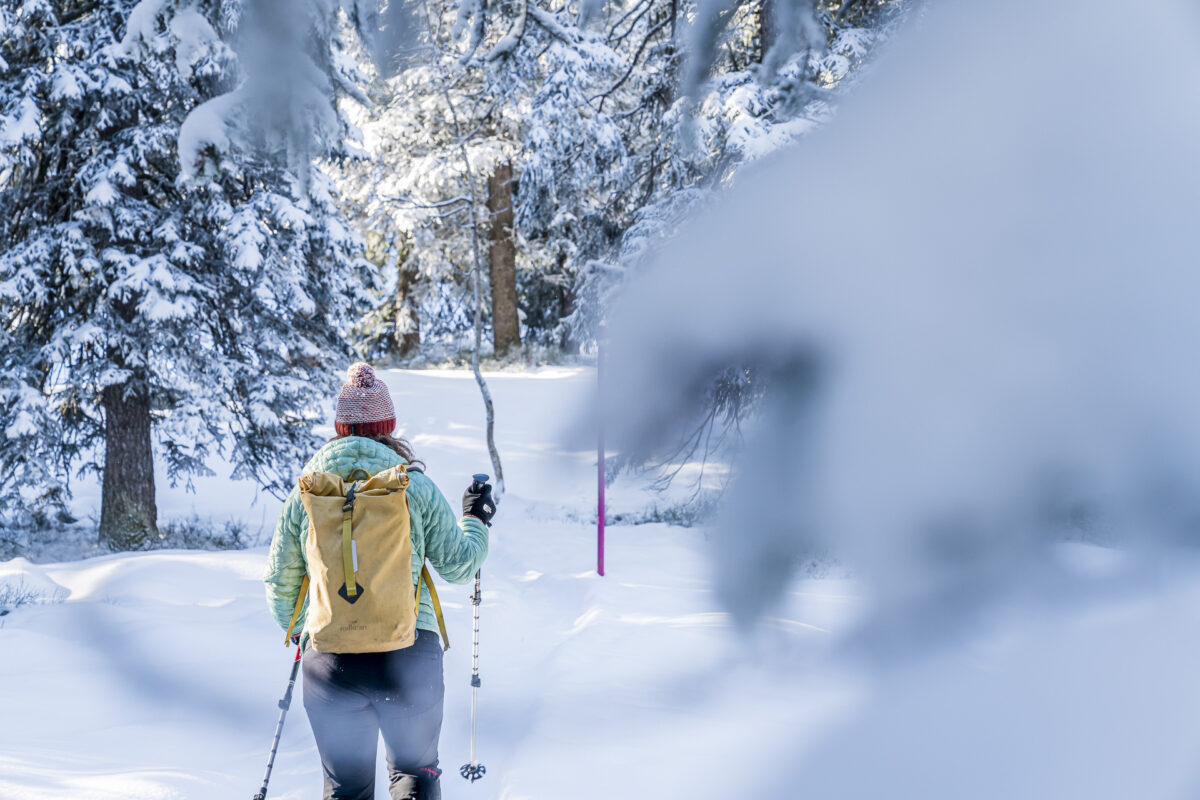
column 983, row 321
column 296, row 60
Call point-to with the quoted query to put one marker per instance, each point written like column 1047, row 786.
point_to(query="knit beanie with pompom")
column 364, row 406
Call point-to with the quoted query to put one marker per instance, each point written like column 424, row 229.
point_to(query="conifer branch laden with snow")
column 149, row 306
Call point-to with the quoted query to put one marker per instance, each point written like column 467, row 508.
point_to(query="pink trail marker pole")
column 600, row 454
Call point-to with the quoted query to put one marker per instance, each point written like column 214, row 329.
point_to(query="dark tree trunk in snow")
column 408, row 324
column 768, row 31
column 566, row 304
column 502, row 257
column 128, row 518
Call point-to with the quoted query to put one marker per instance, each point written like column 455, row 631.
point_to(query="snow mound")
column 23, row 583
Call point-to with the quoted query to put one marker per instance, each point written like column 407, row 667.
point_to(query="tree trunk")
column 768, row 31
column 566, row 305
column 502, row 258
column 408, row 323
column 128, row 517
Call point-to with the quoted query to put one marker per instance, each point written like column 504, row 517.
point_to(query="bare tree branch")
column 477, row 268
column 408, row 201
column 632, row 64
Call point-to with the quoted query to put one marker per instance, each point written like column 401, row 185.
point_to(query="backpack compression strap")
column 348, row 565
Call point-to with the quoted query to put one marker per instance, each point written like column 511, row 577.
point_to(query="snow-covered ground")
column 155, row 675
column 441, row 414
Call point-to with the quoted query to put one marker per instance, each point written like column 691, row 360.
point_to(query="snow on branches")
column 613, row 121
column 211, row 291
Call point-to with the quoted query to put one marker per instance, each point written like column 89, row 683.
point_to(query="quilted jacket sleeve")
column 456, row 548
column 285, row 563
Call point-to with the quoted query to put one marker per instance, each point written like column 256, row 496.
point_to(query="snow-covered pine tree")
column 576, row 172
column 407, row 201
column 416, row 193
column 140, row 306
column 612, row 125
column 526, row 82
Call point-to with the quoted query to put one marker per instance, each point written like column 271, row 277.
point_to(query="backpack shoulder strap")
column 287, row 637
column 427, row 579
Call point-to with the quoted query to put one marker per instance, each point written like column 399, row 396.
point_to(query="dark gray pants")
column 353, row 697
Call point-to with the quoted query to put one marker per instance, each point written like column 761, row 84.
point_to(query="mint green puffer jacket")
column 455, row 548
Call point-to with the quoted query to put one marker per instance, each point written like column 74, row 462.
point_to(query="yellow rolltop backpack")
column 359, row 554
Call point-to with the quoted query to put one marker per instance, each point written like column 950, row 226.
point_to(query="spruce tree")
column 151, row 308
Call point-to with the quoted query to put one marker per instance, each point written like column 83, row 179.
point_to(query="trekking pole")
column 284, row 704
column 473, row 770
